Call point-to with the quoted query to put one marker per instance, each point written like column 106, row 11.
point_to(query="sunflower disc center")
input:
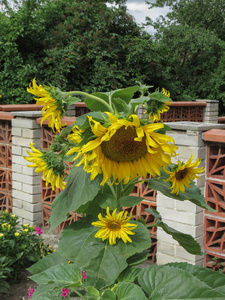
column 181, row 174
column 123, row 147
column 114, row 226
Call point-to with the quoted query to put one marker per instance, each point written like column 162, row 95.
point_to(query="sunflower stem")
column 127, row 186
column 92, row 97
column 79, row 294
column 113, row 191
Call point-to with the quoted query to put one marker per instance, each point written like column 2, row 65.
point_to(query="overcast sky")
column 139, row 9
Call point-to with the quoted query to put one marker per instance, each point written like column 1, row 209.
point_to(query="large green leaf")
column 129, row 201
column 129, row 291
column 63, row 275
column 130, row 274
column 102, row 262
column 192, row 194
column 83, row 122
column 80, row 189
column 125, row 94
column 95, row 105
column 45, row 295
column 159, row 97
column 185, row 240
column 47, row 262
column 168, row 282
column 108, row 295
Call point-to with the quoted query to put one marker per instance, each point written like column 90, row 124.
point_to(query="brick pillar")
column 211, row 111
column 26, row 184
column 183, row 215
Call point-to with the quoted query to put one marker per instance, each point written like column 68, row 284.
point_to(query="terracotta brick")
column 215, row 135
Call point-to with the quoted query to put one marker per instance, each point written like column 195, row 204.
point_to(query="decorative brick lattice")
column 183, row 113
column 214, row 262
column 5, row 165
column 214, row 222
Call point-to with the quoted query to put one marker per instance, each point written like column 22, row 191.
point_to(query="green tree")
column 71, row 44
column 191, row 43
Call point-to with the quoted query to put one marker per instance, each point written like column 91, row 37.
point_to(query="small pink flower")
column 65, row 293
column 30, row 293
column 38, row 230
column 84, row 275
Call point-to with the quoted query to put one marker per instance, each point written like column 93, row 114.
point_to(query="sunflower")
column 50, row 110
column 42, row 162
column 124, row 150
column 114, row 226
column 155, row 108
column 183, row 174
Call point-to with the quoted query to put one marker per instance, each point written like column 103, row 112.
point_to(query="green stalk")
column 90, row 96
column 78, row 293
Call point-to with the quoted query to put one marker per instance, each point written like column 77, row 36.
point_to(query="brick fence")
column 28, row 197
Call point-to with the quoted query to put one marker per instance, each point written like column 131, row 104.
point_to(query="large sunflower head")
column 114, row 226
column 182, row 174
column 54, row 104
column 49, row 164
column 122, row 149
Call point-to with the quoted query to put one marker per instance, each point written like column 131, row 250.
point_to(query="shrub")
column 20, row 247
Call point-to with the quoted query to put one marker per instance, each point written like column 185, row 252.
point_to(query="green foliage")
column 19, row 248
column 72, row 44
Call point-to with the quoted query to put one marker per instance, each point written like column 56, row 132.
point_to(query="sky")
column 139, row 10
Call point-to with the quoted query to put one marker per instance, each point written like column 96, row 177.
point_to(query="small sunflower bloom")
column 42, row 161
column 1, row 235
column 25, row 230
column 124, row 150
column 114, row 226
column 52, row 109
column 13, row 216
column 17, row 234
column 185, row 172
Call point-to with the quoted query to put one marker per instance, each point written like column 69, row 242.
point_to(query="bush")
column 19, row 248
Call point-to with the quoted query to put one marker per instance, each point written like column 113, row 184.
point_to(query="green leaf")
column 106, row 200
column 92, row 293
column 130, row 274
column 83, row 123
column 185, row 240
column 45, row 263
column 102, row 262
column 95, row 105
column 125, row 94
column 129, row 291
column 192, row 194
column 45, row 292
column 108, row 295
column 172, row 282
column 159, row 97
column 138, row 101
column 120, row 102
column 91, row 254
column 72, row 100
column 63, row 275
column 80, row 189
column 138, row 258
column 129, row 201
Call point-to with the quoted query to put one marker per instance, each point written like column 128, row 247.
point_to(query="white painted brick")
column 17, row 185
column 29, row 197
column 33, row 217
column 37, row 207
column 26, row 178
column 19, row 160
column 17, row 203
column 16, row 168
column 32, row 189
column 25, row 142
column 187, row 206
column 16, row 150
column 166, row 248
column 165, row 201
column 16, row 131
column 185, row 152
column 186, row 140
column 163, row 259
column 24, row 123
column 28, row 170
column 181, row 253
column 32, row 134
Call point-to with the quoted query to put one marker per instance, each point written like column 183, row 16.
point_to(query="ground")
column 18, row 290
